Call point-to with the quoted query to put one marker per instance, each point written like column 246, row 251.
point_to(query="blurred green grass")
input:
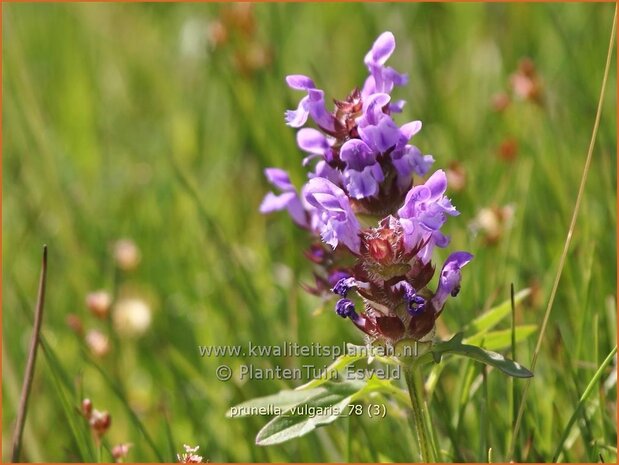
column 122, row 121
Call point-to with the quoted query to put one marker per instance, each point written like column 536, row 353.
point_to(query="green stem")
column 98, row 447
column 415, row 389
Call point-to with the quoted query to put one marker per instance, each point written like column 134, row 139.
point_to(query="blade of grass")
column 513, row 380
column 484, row 412
column 584, row 426
column 596, row 355
column 64, row 389
column 368, row 443
column 568, row 239
column 596, row 377
column 31, row 362
column 132, row 415
column 442, row 408
column 433, row 440
column 168, row 432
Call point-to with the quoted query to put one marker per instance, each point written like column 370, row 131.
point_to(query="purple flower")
column 449, row 281
column 324, row 170
column 397, row 106
column 357, row 154
column 409, row 161
column 363, row 175
column 375, row 127
column 344, row 285
column 333, row 215
column 424, row 211
column 336, row 276
column 288, row 199
column 311, row 105
column 408, row 130
column 315, row 143
column 382, row 78
column 416, row 304
column 365, row 183
column 346, row 309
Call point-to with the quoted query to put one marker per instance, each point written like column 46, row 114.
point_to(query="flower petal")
column 362, row 184
column 300, row 82
column 279, row 178
column 357, row 154
column 272, row 202
column 312, row 141
column 297, row 118
column 408, row 130
column 381, row 50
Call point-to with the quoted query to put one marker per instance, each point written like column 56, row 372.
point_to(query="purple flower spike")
column 361, row 162
column 334, row 216
column 449, row 281
column 287, row 200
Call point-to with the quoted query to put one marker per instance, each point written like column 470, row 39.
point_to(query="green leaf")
column 321, row 409
column 354, row 353
column 494, row 359
column 282, row 400
column 501, row 339
column 492, row 317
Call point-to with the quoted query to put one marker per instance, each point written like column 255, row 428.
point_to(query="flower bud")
column 380, row 250
column 126, row 254
column 99, row 422
column 74, row 322
column 87, row 408
column 500, row 101
column 120, row 451
column 508, row 149
column 97, row 342
column 99, row 303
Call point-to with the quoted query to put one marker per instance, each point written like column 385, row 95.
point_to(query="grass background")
column 124, row 121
